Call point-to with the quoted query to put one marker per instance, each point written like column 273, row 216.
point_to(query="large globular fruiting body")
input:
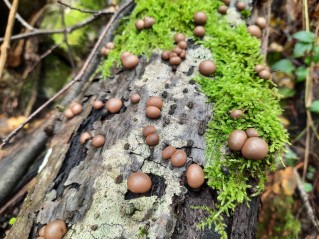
column 139, row 182
column 195, row 176
column 55, row 229
column 237, row 140
column 255, row 148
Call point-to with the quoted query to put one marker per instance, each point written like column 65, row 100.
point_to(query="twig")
column 78, row 9
column 19, row 18
column 305, row 200
column 76, row 79
column 6, row 44
column 40, row 32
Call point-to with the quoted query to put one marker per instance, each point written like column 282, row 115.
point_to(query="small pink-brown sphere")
column 179, row 158
column 149, row 130
column 152, row 139
column 168, row 152
column 76, row 108
column 55, row 229
column 114, row 105
column 207, row 67
column 200, row 18
column 124, row 55
column 130, row 62
column 195, row 176
column 254, row 31
column 98, row 104
column 139, row 182
column 98, row 141
column 155, row 101
column 153, row 112
column 84, row 137
column 135, row 98
column 237, row 140
column 139, row 24
column 179, row 37
column 110, row 45
column 41, row 231
column 68, row 114
column 261, row 22
column 199, row 31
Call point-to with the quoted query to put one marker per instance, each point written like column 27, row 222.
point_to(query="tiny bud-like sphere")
column 183, row 54
column 152, row 139
column 124, row 55
column 222, row 9
column 105, row 51
column 149, row 22
column 68, row 114
column 199, row 31
column 179, row 158
column 200, row 18
column 98, row 141
column 84, row 137
column 237, row 140
column 227, row 2
column 155, row 101
column 236, row 114
column 130, row 62
column 175, row 60
column 254, row 31
column 264, row 74
column 195, row 176
column 259, row 68
column 98, row 104
column 241, row 6
column 149, row 130
column 255, row 148
column 182, row 45
column 207, row 67
column 179, row 37
column 168, row 152
column 139, row 24
column 177, row 50
column 172, row 54
column 114, row 105
column 153, row 112
column 252, row 132
column 165, row 55
column 41, row 232
column 55, row 229
column 76, row 108
column 110, row 45
column 139, row 183
column 261, row 22
column 135, row 98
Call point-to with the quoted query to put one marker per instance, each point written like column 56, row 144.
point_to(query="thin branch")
column 6, row 43
column 19, row 18
column 76, row 79
column 41, row 32
column 78, row 9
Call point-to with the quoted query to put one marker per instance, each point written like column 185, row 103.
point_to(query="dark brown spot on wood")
column 185, row 90
column 164, row 94
column 118, row 179
column 126, row 146
column 202, row 127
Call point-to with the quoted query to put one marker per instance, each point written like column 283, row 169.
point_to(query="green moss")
column 235, row 85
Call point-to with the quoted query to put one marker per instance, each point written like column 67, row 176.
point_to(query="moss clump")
column 235, row 85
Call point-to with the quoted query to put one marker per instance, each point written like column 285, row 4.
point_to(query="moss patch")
column 235, row 85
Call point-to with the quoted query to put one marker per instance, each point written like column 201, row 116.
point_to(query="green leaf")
column 284, row 65
column 315, row 57
column 315, row 106
column 12, row 220
column 307, row 187
column 301, row 73
column 304, row 36
column 301, row 48
column 286, row 92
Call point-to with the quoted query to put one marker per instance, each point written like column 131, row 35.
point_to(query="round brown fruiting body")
column 68, row 113
column 175, row 60
column 135, row 98
column 207, row 67
column 40, row 238
column 153, row 112
column 172, row 54
column 200, row 18
column 139, row 24
column 84, row 137
column 199, row 31
column 183, row 54
column 179, row 158
column 177, row 50
column 179, row 37
column 55, row 229
column 264, row 74
column 168, row 152
column 114, row 105
column 98, row 141
column 236, row 114
column 237, row 139
column 261, row 22
column 259, row 68
column 149, row 130
column 222, row 9
column 152, row 139
column 130, row 62
column 149, row 22
column 165, row 55
column 41, row 231
column 139, row 182
column 124, row 55
column 182, row 45
column 76, row 108
column 241, row 6
column 110, row 45
column 97, row 104
column 254, row 31
column 227, row 2
column 155, row 101
column 252, row 132
column 255, row 148
column 195, row 176
column 105, row 51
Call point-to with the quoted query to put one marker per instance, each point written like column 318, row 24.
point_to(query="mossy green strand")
column 234, row 86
